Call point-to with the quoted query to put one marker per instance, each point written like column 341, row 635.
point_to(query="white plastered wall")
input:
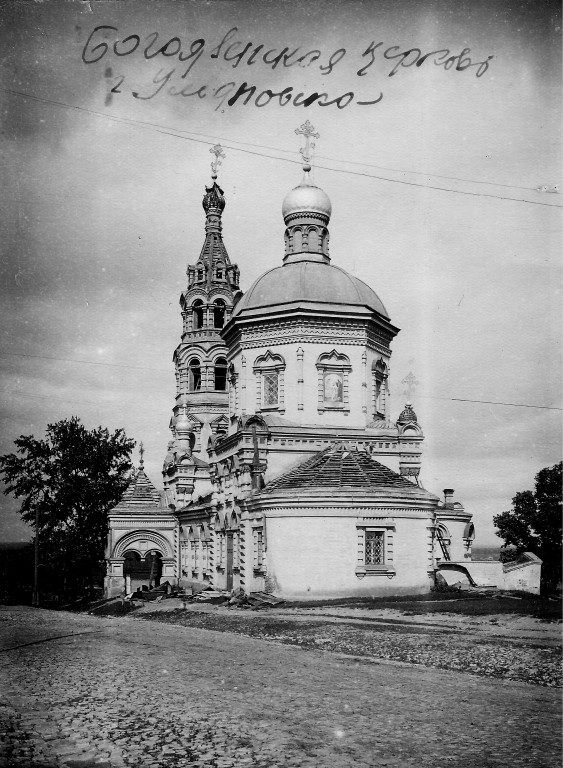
column 312, row 556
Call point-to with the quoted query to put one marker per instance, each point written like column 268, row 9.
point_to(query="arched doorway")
column 142, row 572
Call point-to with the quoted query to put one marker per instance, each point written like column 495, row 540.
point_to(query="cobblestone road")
column 84, row 691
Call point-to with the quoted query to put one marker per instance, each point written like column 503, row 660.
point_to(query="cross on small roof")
column 141, row 454
column 411, row 383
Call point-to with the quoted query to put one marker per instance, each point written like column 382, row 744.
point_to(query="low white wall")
column 524, row 577
column 486, row 573
column 310, row 557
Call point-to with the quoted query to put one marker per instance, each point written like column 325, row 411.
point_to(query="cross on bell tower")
column 201, row 408
column 217, row 150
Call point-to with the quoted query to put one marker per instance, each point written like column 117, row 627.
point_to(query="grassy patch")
column 440, row 648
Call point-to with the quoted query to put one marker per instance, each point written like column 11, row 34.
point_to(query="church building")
column 286, row 472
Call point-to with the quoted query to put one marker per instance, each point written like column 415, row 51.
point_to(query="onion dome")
column 213, row 200
column 407, row 415
column 182, row 423
column 306, row 212
column 305, row 198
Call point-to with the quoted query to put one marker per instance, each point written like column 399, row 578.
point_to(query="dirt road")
column 84, row 691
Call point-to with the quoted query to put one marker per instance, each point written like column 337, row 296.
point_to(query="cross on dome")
column 306, row 211
column 306, row 152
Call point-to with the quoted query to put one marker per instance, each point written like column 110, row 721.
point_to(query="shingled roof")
column 339, row 467
column 140, row 497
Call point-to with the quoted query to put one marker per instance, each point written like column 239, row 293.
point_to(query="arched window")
column 219, row 314
column 444, row 540
column 200, row 275
column 197, row 307
column 220, row 374
column 195, row 374
column 269, row 370
column 313, row 239
column 379, row 377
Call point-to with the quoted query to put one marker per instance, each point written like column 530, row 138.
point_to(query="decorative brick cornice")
column 313, row 330
column 322, row 217
column 152, row 522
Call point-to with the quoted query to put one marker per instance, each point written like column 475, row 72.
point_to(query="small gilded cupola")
column 306, row 212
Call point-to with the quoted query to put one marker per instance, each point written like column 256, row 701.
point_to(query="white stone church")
column 286, row 472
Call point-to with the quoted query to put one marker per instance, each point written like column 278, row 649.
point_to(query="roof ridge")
column 339, row 466
column 306, row 465
column 358, row 465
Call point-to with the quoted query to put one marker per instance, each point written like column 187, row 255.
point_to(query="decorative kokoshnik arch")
column 155, row 540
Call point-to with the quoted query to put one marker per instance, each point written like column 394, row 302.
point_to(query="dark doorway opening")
column 142, row 572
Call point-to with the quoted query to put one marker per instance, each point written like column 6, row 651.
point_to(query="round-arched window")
column 220, row 372
column 195, row 374
column 313, row 239
column 219, row 313
column 197, row 307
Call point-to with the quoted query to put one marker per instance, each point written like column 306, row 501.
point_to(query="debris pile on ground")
column 235, row 599
column 115, row 606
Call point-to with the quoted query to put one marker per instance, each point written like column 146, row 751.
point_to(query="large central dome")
column 306, row 282
column 307, row 277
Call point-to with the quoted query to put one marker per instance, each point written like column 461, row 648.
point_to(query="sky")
column 444, row 185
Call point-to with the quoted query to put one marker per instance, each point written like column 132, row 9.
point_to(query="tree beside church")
column 534, row 524
column 67, row 483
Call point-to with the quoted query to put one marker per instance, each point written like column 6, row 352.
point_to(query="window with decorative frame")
column 184, row 556
column 220, row 561
column 205, row 554
column 195, row 552
column 375, row 547
column 333, row 370
column 258, row 549
column 269, row 371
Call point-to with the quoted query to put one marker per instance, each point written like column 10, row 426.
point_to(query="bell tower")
column 202, row 401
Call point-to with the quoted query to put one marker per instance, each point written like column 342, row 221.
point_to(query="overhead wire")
column 174, row 133
column 162, row 370
column 84, row 362
column 177, row 134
